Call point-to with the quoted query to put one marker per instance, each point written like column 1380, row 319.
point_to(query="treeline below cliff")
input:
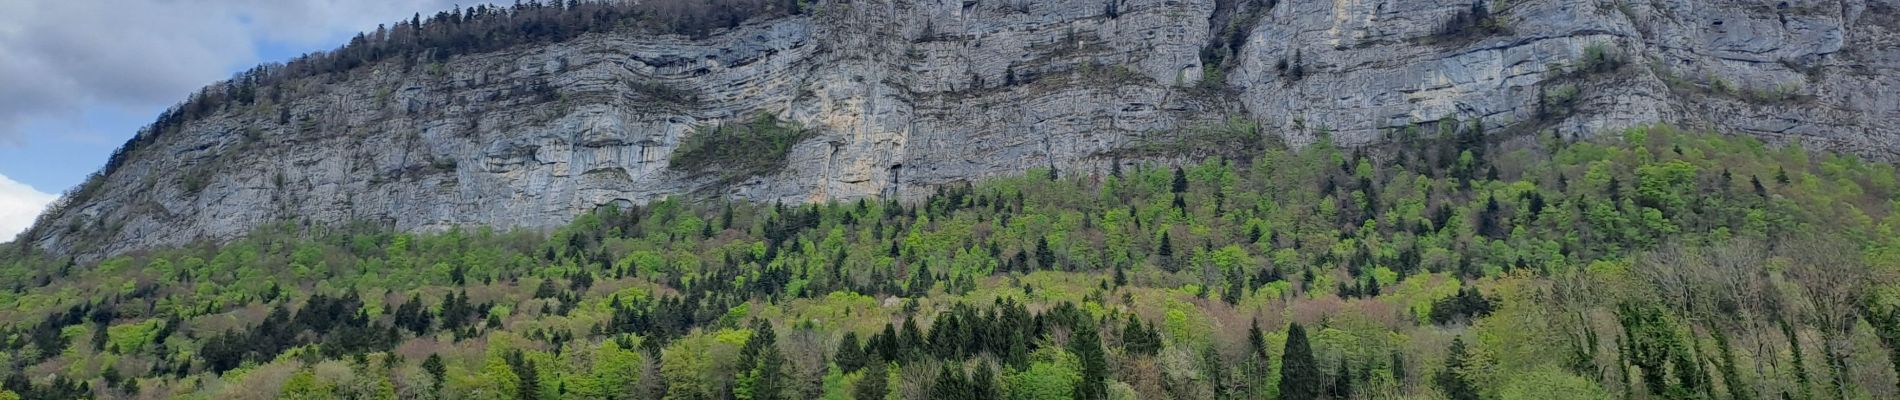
column 1652, row 264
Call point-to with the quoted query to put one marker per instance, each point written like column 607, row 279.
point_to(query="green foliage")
column 1600, row 58
column 874, row 385
column 737, row 151
column 1455, row 378
column 1560, row 100
column 1086, row 345
column 1542, row 260
column 1054, row 374
column 1549, row 383
column 1234, row 137
column 1299, row 371
column 304, row 386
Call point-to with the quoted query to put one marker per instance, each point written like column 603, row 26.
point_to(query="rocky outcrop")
column 906, row 96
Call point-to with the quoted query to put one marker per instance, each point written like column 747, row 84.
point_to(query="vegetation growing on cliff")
column 750, row 148
column 1655, row 264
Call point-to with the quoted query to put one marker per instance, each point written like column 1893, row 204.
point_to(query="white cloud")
column 59, row 59
column 19, row 205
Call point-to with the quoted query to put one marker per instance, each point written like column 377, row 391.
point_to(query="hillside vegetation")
column 1654, row 264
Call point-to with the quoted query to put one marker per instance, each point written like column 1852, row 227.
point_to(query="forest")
column 1651, row 263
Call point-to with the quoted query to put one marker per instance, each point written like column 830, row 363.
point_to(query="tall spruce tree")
column 876, row 383
column 983, row 383
column 437, row 372
column 1086, row 344
column 764, row 378
column 950, row 384
column 1299, row 373
column 1166, row 251
column 850, row 356
column 1452, row 380
column 1180, row 181
column 1342, row 381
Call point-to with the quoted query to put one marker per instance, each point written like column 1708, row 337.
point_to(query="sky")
column 79, row 77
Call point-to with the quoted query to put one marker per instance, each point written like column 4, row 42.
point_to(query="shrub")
column 1560, row 100
column 1469, row 24
column 1599, row 58
column 756, row 147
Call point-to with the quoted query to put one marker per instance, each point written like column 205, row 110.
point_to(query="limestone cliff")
column 905, row 95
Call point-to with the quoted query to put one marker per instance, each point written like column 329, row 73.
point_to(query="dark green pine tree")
column 1121, row 276
column 1256, row 341
column 850, row 356
column 1731, row 377
column 1300, row 378
column 99, row 336
column 874, row 385
column 1254, row 367
column 1166, row 251
column 1135, row 339
column 1450, row 380
column 1086, row 344
column 529, row 387
column 1180, row 181
column 911, row 341
column 983, row 383
column 950, row 384
column 767, row 365
column 1800, row 360
column 1399, row 373
column 1216, row 371
column 1236, row 286
column 886, row 344
column 1016, row 353
column 437, row 371
column 1342, row 381
column 1045, row 258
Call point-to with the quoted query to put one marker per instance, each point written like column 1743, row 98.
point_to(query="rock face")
column 908, row 95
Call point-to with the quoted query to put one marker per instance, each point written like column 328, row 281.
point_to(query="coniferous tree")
column 911, row 341
column 1086, row 344
column 1299, row 372
column 887, row 345
column 1452, row 380
column 1342, row 381
column 1215, row 371
column 1236, row 286
column 874, row 385
column 1802, row 380
column 1121, row 276
column 1180, row 181
column 850, row 356
column 1256, row 340
column 1138, row 339
column 764, row 378
column 983, row 383
column 1017, row 352
column 950, row 384
column 1166, row 251
column 99, row 336
column 1731, row 377
column 529, row 386
column 1045, row 258
column 437, row 372
column 1399, row 374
